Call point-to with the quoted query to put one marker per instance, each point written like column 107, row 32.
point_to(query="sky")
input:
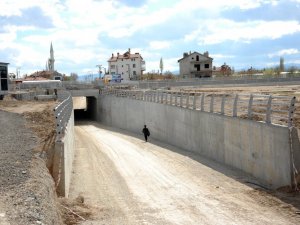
column 240, row 33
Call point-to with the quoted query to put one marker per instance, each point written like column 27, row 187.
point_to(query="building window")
column 122, row 65
column 206, row 66
column 197, row 57
column 133, row 65
column 113, row 66
column 134, row 73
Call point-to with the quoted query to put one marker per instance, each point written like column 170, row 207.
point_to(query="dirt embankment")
column 27, row 188
column 26, row 185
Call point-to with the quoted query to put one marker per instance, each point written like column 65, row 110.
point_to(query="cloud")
column 221, row 56
column 28, row 17
column 132, row 3
column 296, row 61
column 85, row 34
column 159, row 45
column 221, row 30
column 290, row 51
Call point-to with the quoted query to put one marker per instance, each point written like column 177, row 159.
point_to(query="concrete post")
column 223, row 105
column 176, row 97
column 291, row 111
column 212, row 103
column 202, row 101
column 181, row 98
column 250, row 107
column 194, row 100
column 234, row 113
column 171, row 99
column 269, row 110
column 188, row 100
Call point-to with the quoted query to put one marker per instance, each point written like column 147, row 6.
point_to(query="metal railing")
column 270, row 109
column 63, row 112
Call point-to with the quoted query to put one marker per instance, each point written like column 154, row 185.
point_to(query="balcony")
column 143, row 65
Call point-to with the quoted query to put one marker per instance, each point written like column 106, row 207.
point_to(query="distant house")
column 129, row 66
column 195, row 65
column 223, row 70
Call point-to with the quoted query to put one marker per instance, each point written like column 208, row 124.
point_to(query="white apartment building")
column 129, row 66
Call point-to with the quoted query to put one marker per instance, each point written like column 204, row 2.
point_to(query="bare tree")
column 74, row 76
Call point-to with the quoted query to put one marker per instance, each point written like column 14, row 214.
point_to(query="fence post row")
column 166, row 97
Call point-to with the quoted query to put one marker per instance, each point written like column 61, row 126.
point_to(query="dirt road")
column 133, row 182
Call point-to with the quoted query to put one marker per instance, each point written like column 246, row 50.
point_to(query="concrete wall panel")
column 63, row 159
column 257, row 148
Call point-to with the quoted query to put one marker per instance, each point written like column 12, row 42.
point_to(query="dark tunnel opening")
column 86, row 114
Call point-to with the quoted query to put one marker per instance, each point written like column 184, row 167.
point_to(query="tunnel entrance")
column 85, row 108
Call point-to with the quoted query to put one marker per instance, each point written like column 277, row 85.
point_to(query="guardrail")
column 270, row 109
column 63, row 112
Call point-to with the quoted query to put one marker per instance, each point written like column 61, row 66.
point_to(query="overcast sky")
column 242, row 33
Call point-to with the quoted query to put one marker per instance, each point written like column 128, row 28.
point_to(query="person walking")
column 146, row 132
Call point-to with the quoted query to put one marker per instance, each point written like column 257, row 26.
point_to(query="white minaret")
column 51, row 59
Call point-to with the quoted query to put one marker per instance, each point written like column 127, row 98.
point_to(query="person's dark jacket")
column 146, row 131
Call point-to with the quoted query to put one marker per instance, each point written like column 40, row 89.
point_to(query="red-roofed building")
column 129, row 66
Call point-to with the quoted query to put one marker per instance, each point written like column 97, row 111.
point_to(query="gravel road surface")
column 27, row 194
column 133, row 182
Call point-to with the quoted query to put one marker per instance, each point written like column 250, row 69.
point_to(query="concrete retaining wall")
column 261, row 150
column 63, row 159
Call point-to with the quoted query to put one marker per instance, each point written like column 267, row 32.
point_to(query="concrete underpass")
column 85, row 108
column 129, row 181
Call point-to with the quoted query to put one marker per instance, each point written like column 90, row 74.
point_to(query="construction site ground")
column 120, row 179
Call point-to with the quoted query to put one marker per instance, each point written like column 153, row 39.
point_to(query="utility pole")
column 100, row 72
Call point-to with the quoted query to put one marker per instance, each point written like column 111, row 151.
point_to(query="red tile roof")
column 126, row 55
